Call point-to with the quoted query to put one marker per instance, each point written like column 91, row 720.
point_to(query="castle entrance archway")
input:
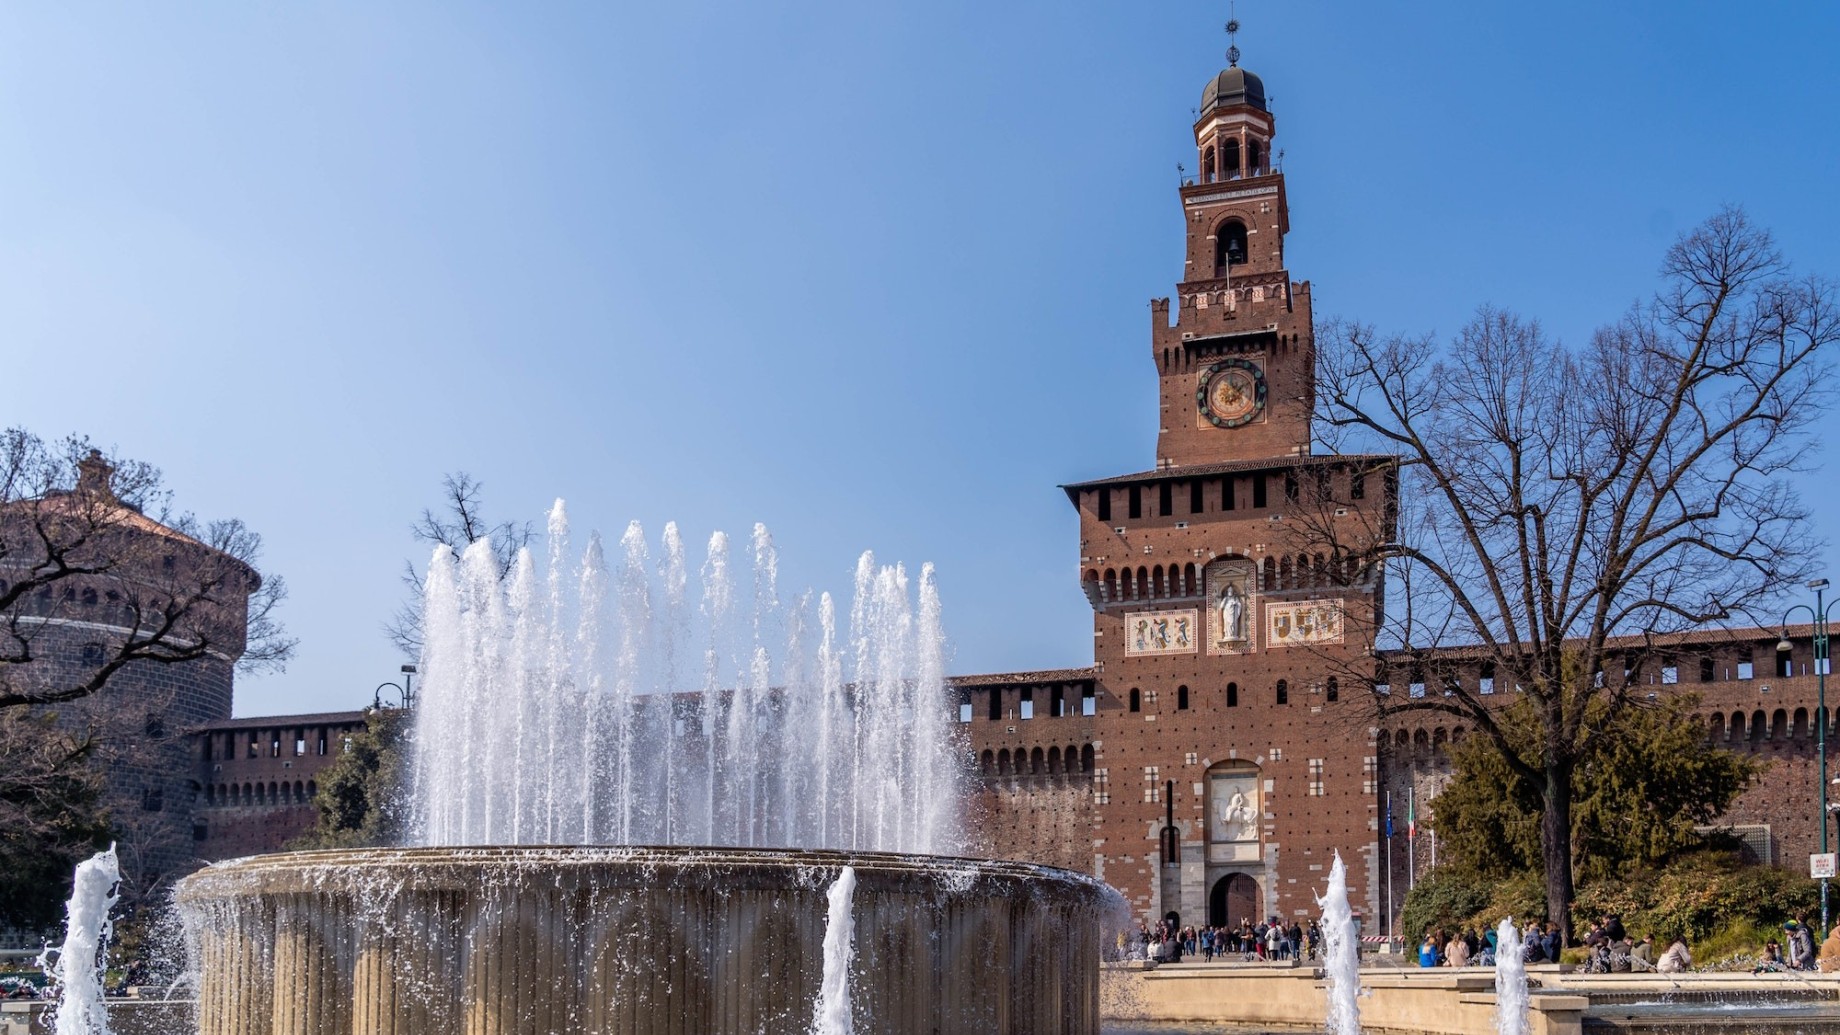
column 1235, row 897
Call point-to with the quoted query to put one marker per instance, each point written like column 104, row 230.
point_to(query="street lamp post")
column 1818, row 613
column 405, row 692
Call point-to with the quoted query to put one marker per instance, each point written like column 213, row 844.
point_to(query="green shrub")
column 1698, row 895
column 1522, row 897
column 1447, row 897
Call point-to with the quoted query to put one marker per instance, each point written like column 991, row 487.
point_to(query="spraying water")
column 1510, row 981
column 1341, row 953
column 77, row 972
column 832, row 1016
column 563, row 703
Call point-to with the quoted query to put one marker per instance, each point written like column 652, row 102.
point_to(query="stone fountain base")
column 547, row 941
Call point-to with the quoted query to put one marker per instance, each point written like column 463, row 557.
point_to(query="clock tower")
column 1229, row 607
column 1233, row 359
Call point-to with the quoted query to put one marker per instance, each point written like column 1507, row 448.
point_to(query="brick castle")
column 1208, row 762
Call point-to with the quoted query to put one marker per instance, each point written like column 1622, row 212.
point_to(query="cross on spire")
column 1232, row 36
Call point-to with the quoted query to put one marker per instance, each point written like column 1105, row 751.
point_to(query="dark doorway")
column 1174, row 920
column 1235, row 897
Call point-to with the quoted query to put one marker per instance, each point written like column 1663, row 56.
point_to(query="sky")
column 874, row 275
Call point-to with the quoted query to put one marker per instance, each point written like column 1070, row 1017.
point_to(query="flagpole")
column 1389, row 866
column 1411, row 843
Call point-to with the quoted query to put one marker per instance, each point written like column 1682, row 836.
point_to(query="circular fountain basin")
column 547, row 941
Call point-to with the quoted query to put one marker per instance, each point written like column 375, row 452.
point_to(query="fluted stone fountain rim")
column 548, row 940
column 615, row 866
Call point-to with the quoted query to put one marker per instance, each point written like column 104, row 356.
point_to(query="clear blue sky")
column 874, row 275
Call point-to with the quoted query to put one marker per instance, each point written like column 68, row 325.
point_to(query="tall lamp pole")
column 405, row 694
column 1818, row 613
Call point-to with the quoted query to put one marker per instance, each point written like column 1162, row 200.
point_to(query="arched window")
column 1233, row 695
column 1137, row 700
column 1086, row 759
column 1054, row 760
column 1181, row 698
column 987, row 762
column 1284, row 692
column 1252, row 158
column 1229, row 159
column 1230, row 245
column 1035, row 762
column 1003, row 762
column 1207, row 166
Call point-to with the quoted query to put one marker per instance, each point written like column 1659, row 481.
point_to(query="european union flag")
column 1389, row 826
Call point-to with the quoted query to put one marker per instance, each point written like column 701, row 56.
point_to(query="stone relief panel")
column 1233, row 816
column 1160, row 632
column 1232, row 593
column 1303, row 623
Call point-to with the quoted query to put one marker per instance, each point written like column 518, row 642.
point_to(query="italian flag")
column 1411, row 819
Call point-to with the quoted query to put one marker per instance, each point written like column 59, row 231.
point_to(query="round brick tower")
column 161, row 615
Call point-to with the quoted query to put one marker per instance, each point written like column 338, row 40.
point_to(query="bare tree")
column 457, row 523
column 1563, row 511
column 88, row 542
column 51, row 815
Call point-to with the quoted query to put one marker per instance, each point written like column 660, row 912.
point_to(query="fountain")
column 1510, row 981
column 77, row 969
column 833, row 1013
column 1341, row 953
column 625, row 811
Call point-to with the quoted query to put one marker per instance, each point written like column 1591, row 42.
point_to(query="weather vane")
column 1232, row 33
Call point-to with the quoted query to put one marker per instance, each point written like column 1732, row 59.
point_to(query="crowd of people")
column 1270, row 939
column 1609, row 948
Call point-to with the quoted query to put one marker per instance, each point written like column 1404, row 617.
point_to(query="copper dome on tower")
column 1234, row 85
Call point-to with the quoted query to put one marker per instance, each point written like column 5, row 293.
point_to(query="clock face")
column 1231, row 393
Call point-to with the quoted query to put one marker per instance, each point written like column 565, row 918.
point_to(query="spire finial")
column 1232, row 36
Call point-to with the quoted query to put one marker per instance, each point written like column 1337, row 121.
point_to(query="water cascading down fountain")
column 634, row 811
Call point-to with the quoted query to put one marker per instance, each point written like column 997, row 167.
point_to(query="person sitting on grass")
column 1772, row 960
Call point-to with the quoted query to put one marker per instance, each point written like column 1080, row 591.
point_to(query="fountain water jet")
column 768, row 736
column 1341, row 953
column 1510, row 981
column 77, row 971
column 833, row 1013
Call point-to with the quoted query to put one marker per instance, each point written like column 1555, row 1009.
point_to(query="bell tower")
column 1234, row 357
